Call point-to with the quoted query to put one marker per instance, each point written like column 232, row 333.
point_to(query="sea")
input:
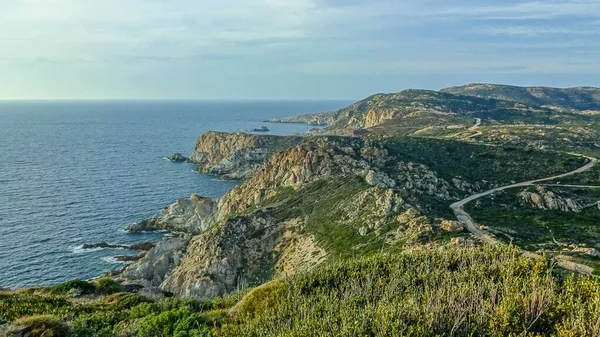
column 78, row 172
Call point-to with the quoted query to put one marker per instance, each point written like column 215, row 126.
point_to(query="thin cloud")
column 534, row 31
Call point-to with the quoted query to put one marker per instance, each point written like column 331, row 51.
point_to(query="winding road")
column 465, row 219
column 474, row 127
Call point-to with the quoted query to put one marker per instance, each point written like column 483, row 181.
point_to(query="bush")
column 39, row 326
column 125, row 301
column 78, row 287
column 107, row 286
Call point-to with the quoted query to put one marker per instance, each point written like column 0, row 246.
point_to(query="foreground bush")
column 39, row 326
column 488, row 291
column 460, row 292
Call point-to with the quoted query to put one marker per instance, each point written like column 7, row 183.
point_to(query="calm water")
column 79, row 172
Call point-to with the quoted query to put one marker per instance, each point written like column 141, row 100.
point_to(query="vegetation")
column 497, row 164
column 533, row 228
column 323, row 207
column 490, row 291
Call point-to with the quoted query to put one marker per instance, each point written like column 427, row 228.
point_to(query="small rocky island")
column 177, row 158
column 263, row 128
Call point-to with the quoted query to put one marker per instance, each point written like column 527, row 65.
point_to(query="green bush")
column 78, row 286
column 107, row 286
column 481, row 291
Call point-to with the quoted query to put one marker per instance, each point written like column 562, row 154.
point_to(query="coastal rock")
column 236, row 250
column 177, row 158
column 192, row 215
column 138, row 246
column 153, row 268
column 548, row 200
column 236, row 156
column 321, row 119
column 263, row 128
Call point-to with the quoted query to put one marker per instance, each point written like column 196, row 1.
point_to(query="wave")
column 80, row 250
column 113, row 260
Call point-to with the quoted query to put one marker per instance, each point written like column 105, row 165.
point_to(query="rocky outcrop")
column 177, row 158
column 236, row 156
column 311, row 160
column 548, row 200
column 237, row 251
column 138, row 246
column 323, row 118
column 263, row 128
column 152, row 269
column 192, row 215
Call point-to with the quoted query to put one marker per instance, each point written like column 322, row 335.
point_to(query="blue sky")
column 290, row 49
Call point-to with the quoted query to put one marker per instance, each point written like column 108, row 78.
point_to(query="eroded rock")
column 192, row 215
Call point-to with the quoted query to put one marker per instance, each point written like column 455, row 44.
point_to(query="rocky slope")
column 324, row 198
column 381, row 108
column 186, row 215
column 580, row 98
column 236, row 156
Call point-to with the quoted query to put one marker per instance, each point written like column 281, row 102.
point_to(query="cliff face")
column 236, row 156
column 192, row 216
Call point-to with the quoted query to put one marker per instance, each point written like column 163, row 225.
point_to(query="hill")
column 579, row 98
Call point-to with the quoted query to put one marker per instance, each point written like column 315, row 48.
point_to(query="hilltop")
column 579, row 98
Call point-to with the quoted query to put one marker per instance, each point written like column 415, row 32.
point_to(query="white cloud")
column 535, row 31
column 530, row 10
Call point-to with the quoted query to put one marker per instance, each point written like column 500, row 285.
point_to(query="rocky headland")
column 236, row 156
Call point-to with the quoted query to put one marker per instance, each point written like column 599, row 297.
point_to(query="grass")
column 460, row 292
column 476, row 163
column 532, row 227
column 323, row 207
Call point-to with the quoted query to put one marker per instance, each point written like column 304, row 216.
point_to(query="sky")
column 290, row 49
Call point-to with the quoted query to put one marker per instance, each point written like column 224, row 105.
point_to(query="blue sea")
column 77, row 172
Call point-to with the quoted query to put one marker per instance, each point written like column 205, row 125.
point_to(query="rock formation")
column 548, row 200
column 178, row 158
column 152, row 269
column 236, row 156
column 323, row 118
column 192, row 215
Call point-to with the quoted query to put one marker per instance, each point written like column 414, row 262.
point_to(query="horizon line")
column 168, row 99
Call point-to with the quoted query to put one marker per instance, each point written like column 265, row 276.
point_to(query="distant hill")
column 380, row 108
column 579, row 98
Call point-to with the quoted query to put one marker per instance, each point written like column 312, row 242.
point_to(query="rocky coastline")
column 243, row 239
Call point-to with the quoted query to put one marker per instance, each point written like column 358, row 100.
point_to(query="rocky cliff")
column 236, row 156
column 192, row 216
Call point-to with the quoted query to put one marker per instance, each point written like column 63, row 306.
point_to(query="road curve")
column 474, row 127
column 465, row 219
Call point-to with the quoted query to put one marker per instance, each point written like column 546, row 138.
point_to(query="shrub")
column 78, row 286
column 107, row 286
column 39, row 326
